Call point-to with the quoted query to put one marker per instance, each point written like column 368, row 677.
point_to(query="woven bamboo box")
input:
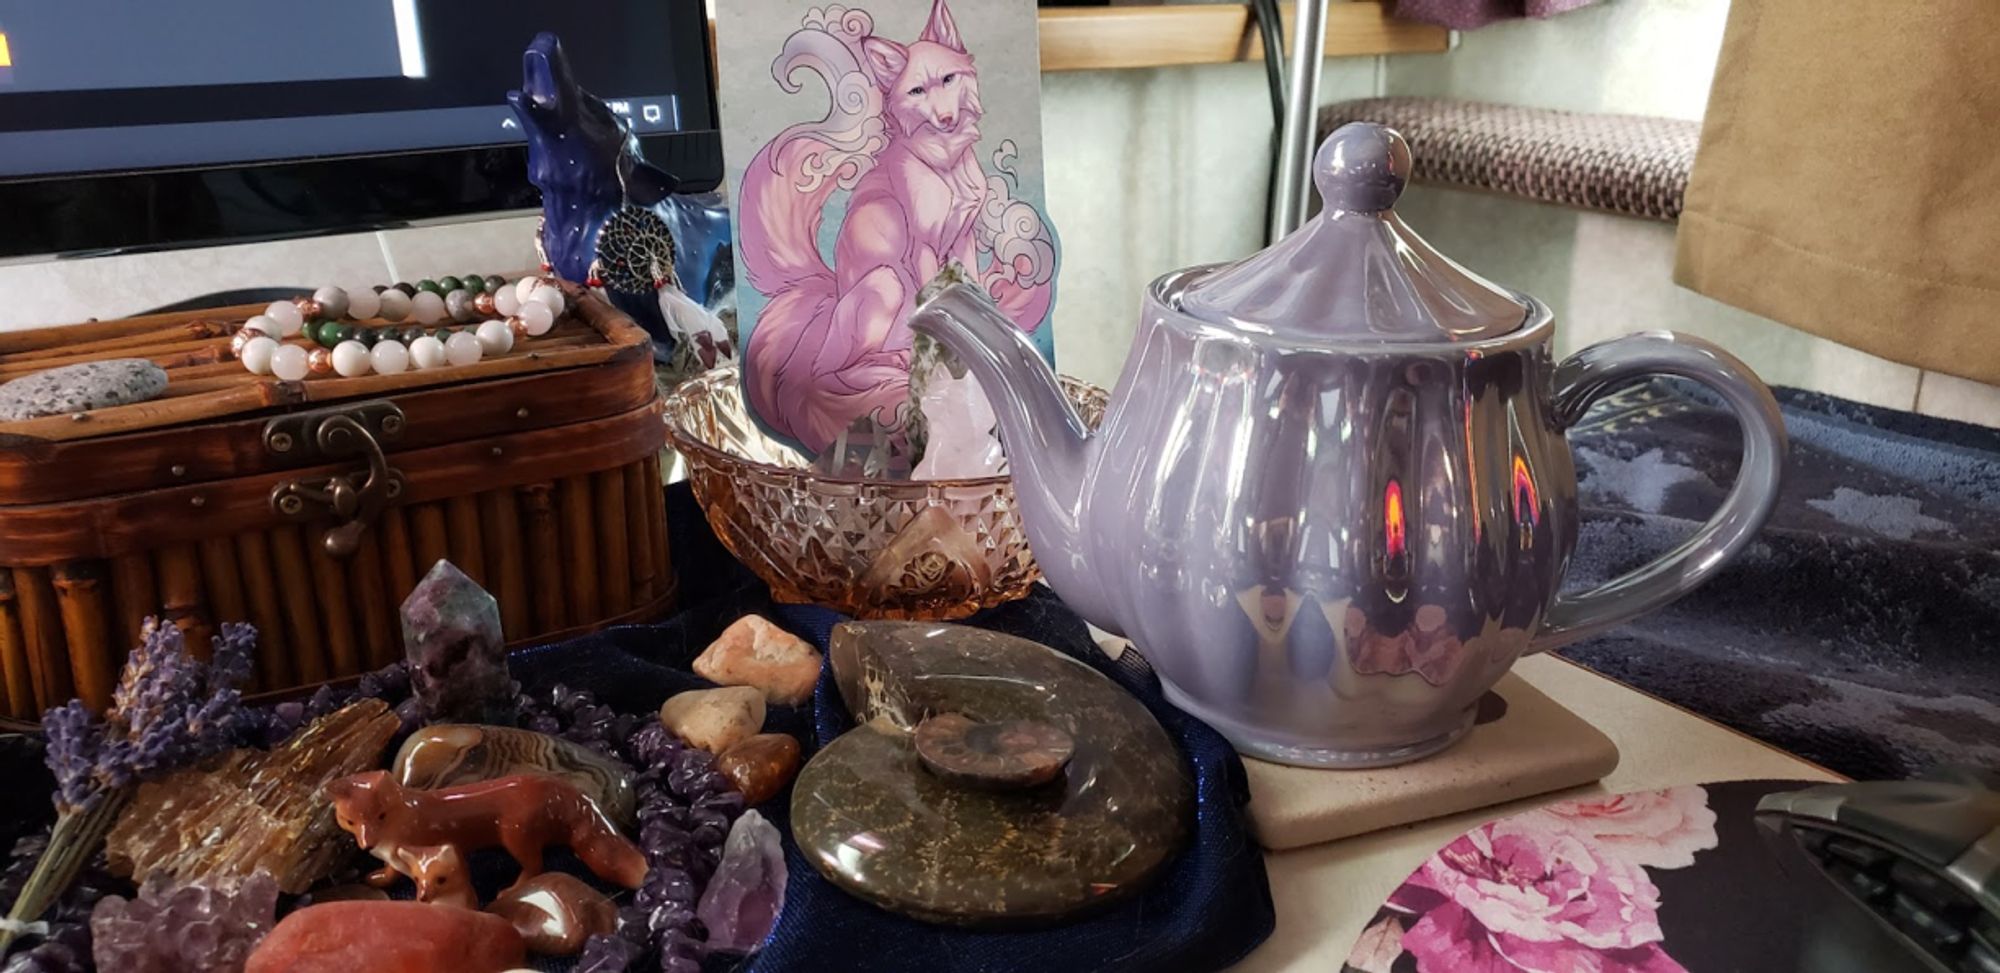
column 312, row 508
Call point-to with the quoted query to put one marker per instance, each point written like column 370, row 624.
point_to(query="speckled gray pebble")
column 80, row 388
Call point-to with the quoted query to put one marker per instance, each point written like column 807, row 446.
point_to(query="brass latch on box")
column 350, row 499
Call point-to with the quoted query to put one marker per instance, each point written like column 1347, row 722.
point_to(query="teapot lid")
column 1356, row 271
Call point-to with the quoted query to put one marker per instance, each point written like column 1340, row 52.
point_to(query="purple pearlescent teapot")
column 1331, row 500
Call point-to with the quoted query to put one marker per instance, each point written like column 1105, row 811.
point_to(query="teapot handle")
column 1608, row 366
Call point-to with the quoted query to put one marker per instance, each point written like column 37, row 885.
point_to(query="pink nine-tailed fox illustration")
column 900, row 137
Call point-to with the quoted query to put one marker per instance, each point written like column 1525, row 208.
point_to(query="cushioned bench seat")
column 1630, row 165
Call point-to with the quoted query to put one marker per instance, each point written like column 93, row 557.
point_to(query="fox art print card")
column 870, row 148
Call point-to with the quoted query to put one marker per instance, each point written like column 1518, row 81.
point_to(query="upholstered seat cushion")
column 1627, row 164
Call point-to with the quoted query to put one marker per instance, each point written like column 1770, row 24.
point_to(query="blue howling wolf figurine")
column 610, row 219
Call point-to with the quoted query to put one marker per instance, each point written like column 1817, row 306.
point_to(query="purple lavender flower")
column 169, row 710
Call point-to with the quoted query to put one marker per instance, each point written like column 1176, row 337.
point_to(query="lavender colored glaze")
column 1333, row 510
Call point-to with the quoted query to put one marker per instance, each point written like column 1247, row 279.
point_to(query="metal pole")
column 1295, row 145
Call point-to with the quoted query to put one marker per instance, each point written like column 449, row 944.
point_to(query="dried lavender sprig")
column 168, row 711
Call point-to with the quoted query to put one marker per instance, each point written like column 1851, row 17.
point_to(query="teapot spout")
column 1048, row 446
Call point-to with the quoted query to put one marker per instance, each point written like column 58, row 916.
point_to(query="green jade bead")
column 435, row 287
column 330, row 333
column 448, row 284
column 473, row 284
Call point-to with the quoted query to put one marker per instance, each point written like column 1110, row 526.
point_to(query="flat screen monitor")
column 133, row 125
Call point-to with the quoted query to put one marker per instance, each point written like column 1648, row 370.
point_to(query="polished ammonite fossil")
column 990, row 780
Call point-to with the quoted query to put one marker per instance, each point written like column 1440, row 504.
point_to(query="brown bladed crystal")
column 253, row 809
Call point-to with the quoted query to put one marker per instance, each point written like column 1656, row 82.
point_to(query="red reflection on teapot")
column 1527, row 500
column 1393, row 527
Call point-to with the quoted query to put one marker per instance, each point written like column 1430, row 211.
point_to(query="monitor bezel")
column 479, row 182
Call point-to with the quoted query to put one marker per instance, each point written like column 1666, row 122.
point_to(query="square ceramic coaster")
column 1535, row 746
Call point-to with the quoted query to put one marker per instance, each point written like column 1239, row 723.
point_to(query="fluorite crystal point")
column 741, row 905
column 456, row 650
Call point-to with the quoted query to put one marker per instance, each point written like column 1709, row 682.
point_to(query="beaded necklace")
column 336, row 343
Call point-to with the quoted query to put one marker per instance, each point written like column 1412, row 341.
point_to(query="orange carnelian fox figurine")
column 427, row 834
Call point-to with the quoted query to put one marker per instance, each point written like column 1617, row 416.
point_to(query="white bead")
column 287, row 315
column 388, row 357
column 266, row 324
column 553, row 297
column 462, row 348
column 290, row 362
column 395, row 305
column 256, row 355
column 537, row 317
column 495, row 337
column 427, row 308
column 350, row 359
column 427, row 352
column 362, row 303
column 506, row 302
column 332, row 300
column 526, row 286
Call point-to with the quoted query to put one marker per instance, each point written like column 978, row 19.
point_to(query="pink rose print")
column 1561, row 889
column 1658, row 829
column 1510, row 898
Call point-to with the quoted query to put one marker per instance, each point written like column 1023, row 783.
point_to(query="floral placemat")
column 1656, row 881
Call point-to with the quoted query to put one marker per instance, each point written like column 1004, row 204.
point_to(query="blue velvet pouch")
column 1208, row 909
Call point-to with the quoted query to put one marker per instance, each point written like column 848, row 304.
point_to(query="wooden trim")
column 1094, row 38
column 1089, row 38
column 49, row 472
column 114, row 526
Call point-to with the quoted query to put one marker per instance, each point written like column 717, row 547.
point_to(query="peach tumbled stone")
column 714, row 719
column 754, row 652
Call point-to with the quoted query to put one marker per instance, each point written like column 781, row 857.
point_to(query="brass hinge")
column 327, row 435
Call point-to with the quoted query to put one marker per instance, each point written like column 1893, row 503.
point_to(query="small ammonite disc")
column 1003, row 756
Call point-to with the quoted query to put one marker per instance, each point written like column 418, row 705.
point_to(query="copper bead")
column 240, row 339
column 309, row 309
column 519, row 327
column 483, row 303
column 320, row 361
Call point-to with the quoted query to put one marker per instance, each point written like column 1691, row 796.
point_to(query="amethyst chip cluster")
column 171, row 710
column 686, row 807
column 172, row 928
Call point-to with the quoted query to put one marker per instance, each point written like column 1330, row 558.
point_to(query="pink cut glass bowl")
column 922, row 549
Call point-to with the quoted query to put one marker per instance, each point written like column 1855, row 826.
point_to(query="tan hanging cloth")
column 1848, row 181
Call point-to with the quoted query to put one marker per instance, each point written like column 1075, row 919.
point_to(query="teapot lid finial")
column 1355, row 272
column 1361, row 168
